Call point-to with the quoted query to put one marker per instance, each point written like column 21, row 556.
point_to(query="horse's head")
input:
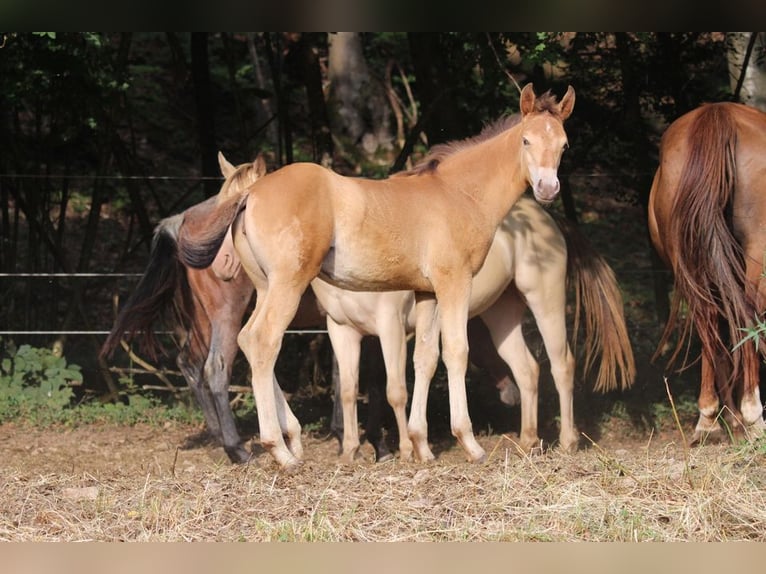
column 543, row 139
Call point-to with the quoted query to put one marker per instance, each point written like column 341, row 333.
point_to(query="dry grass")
column 140, row 484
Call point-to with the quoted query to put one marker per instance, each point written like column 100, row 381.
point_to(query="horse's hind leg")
column 504, row 321
column 708, row 426
column 346, row 343
column 393, row 342
column 550, row 317
column 260, row 340
column 425, row 360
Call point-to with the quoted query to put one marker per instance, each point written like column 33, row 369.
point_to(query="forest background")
column 103, row 134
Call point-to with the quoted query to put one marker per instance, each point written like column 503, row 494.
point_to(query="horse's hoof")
column 291, row 467
column 713, row 436
column 239, row 455
column 387, row 457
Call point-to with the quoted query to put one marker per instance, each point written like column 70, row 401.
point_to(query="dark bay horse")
column 707, row 220
column 428, row 232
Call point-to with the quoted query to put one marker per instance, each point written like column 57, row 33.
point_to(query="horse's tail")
column 163, row 288
column 710, row 268
column 204, row 228
column 598, row 298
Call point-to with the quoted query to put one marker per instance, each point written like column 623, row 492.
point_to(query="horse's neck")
column 490, row 172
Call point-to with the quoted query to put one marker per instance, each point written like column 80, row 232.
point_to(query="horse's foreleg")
column 453, row 310
column 393, row 342
column 504, row 321
column 260, row 340
column 551, row 321
column 191, row 369
column 425, row 359
column 346, row 343
column 218, row 366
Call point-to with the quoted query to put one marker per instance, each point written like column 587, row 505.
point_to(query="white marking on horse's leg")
column 752, row 414
column 425, row 359
column 346, row 343
column 709, row 406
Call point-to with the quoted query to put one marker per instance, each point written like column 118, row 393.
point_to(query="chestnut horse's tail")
column 710, row 269
column 163, row 288
column 598, row 298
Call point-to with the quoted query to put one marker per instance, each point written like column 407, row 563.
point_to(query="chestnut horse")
column 428, row 232
column 707, row 220
column 528, row 265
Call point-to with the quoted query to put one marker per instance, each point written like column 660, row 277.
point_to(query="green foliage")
column 35, row 384
column 36, row 388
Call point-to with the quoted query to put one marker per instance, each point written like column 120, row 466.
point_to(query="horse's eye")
column 525, row 141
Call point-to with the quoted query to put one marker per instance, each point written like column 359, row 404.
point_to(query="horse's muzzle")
column 546, row 190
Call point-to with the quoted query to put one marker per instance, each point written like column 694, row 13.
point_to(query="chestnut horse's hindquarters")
column 707, row 220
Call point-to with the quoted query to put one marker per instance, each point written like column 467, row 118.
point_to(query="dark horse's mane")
column 544, row 103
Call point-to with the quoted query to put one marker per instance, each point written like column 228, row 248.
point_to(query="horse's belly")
column 492, row 279
column 358, row 272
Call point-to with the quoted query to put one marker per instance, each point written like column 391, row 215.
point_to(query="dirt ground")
column 143, row 483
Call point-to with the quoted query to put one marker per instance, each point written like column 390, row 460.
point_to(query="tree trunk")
column 434, row 89
column 357, row 106
column 312, row 78
column 205, row 124
column 747, row 67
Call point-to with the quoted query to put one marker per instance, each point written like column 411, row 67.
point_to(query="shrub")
column 35, row 383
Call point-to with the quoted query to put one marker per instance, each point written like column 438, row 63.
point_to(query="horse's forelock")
column 547, row 102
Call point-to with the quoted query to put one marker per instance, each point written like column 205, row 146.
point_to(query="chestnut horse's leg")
column 708, row 426
column 504, row 321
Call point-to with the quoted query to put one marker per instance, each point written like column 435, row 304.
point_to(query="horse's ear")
column 527, row 99
column 259, row 165
column 226, row 168
column 566, row 105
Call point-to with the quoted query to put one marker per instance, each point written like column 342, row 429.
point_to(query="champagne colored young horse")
column 526, row 266
column 428, row 232
column 707, row 220
column 205, row 307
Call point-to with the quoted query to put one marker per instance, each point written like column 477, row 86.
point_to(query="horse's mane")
column 544, row 103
